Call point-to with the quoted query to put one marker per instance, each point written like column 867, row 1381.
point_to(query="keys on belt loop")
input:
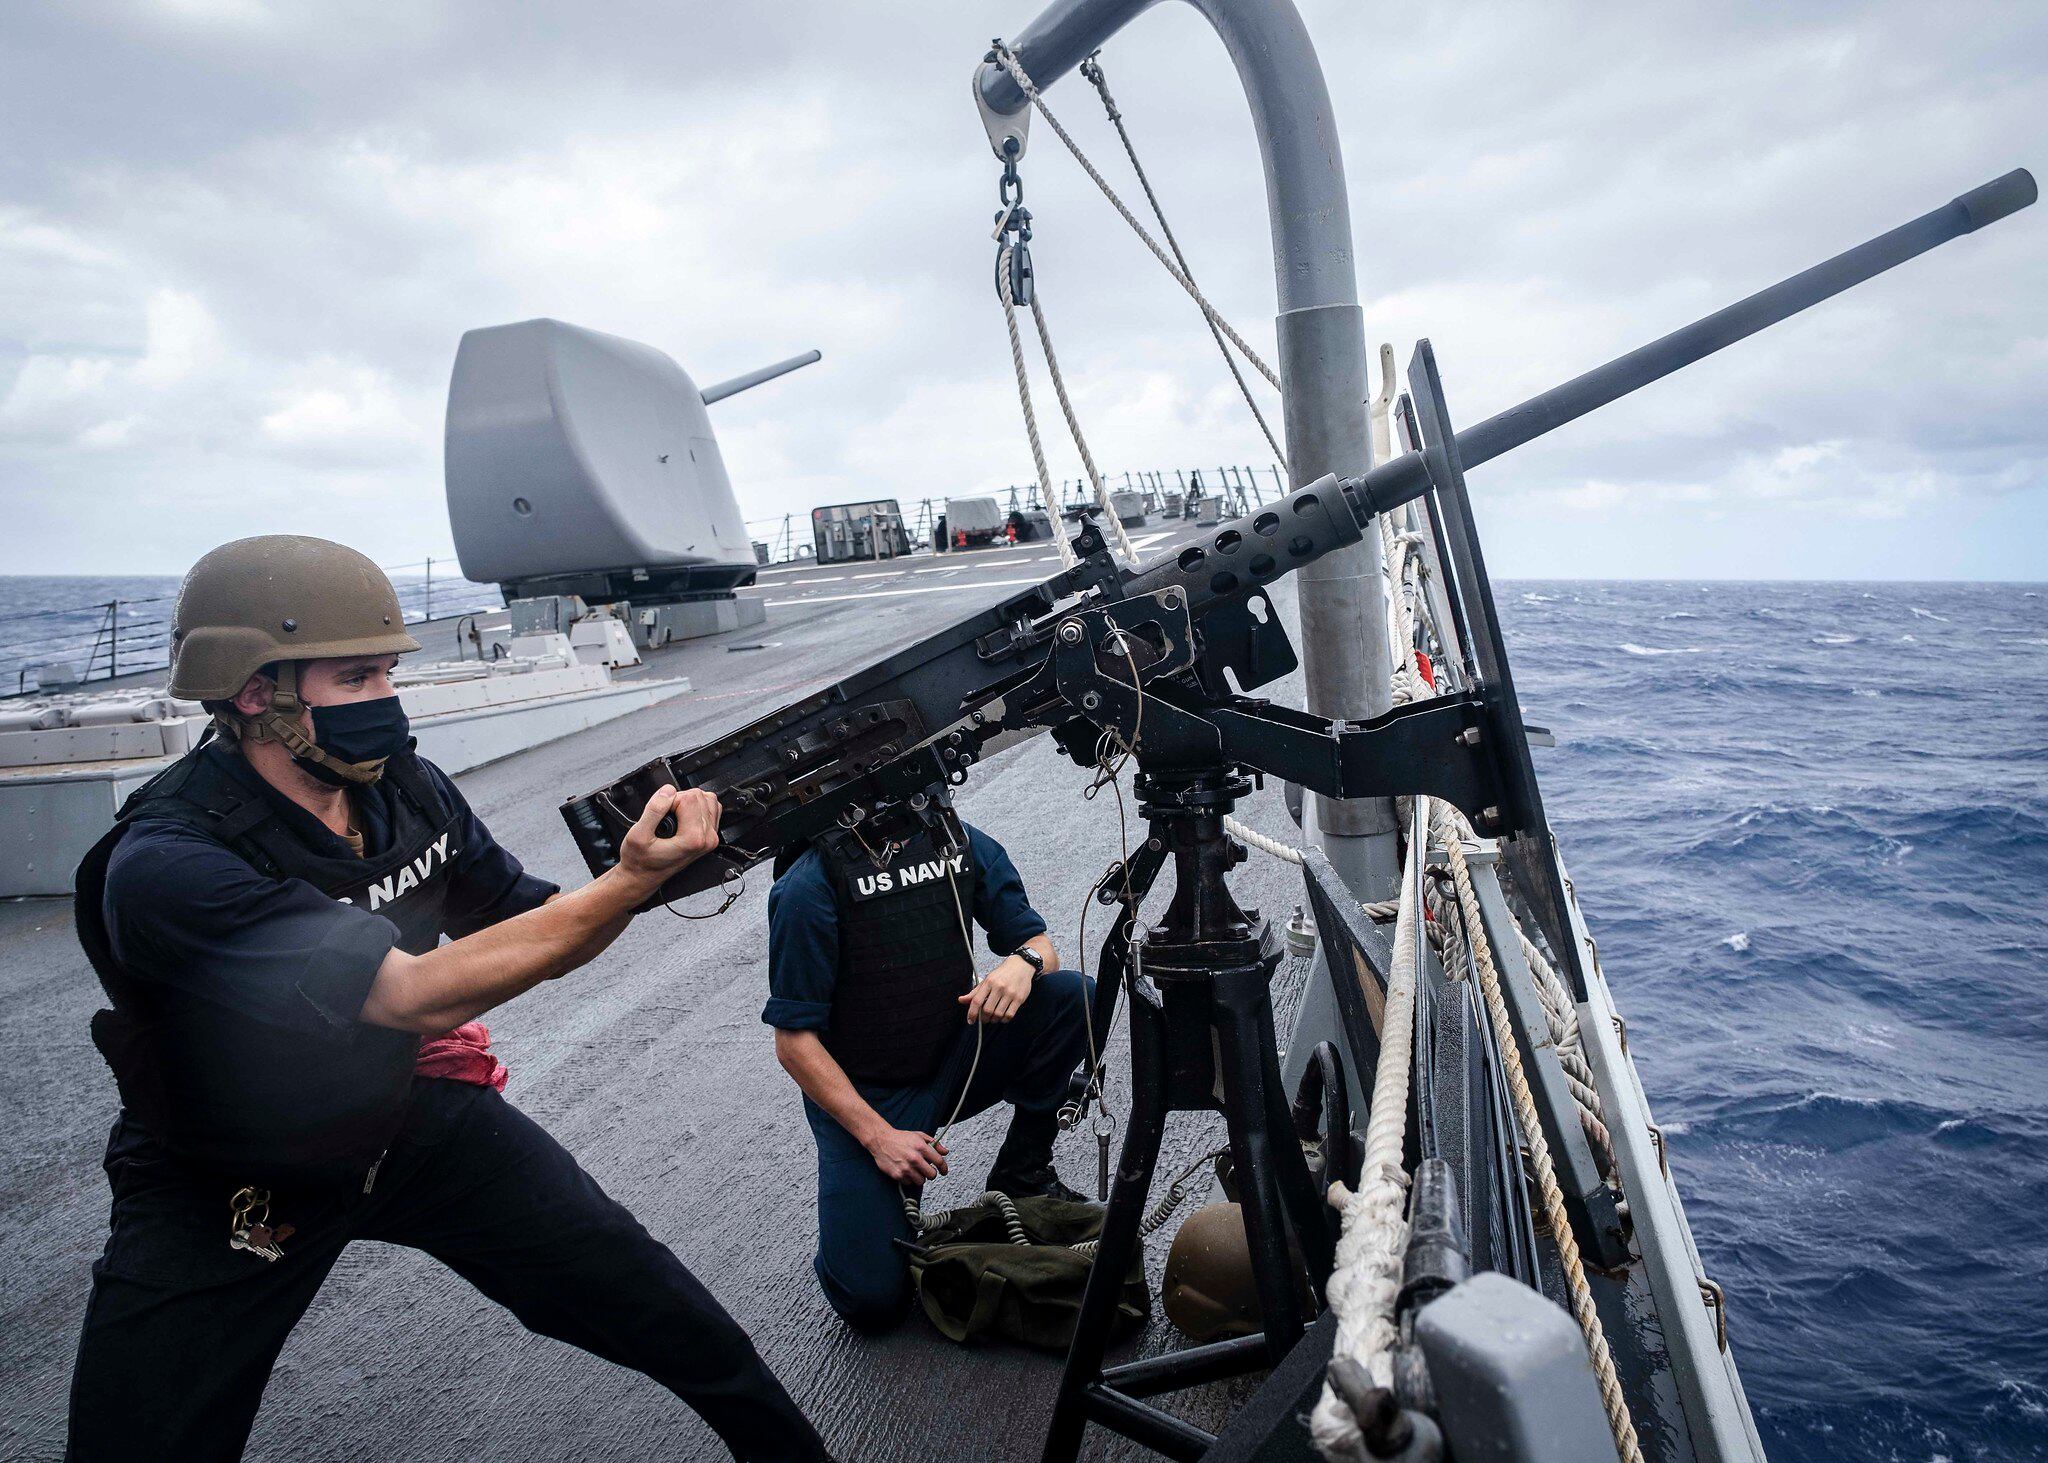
column 249, row 1226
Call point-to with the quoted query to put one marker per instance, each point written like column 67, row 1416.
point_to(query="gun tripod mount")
column 1201, row 1041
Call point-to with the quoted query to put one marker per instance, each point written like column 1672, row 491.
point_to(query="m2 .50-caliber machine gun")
column 1157, row 662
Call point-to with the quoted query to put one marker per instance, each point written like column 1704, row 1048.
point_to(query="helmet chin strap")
column 280, row 724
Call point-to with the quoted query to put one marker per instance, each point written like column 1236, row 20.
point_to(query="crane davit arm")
column 751, row 379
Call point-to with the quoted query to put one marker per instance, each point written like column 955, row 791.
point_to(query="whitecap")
column 1860, row 691
column 1738, row 942
column 1633, row 649
column 1539, row 599
column 1679, row 615
column 2027, row 1397
column 1837, row 639
column 1909, row 640
column 1920, row 614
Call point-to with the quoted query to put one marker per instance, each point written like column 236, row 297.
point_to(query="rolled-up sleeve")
column 182, row 910
column 803, row 948
column 1000, row 905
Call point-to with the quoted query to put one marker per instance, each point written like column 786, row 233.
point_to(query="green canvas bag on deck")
column 974, row 1280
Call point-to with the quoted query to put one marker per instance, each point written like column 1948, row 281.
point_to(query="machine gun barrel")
column 930, row 711
column 1403, row 478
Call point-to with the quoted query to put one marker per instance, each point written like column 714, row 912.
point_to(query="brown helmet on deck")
column 277, row 600
column 1208, row 1289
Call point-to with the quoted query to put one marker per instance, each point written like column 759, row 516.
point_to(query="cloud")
column 346, row 414
column 240, row 241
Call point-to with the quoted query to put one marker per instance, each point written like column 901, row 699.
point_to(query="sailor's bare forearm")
column 825, row 1082
column 459, row 981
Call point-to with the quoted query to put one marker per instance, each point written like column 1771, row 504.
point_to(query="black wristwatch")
column 1032, row 958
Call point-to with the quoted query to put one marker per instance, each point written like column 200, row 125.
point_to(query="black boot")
column 1023, row 1167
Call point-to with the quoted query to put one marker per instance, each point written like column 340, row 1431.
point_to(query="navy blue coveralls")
column 182, row 1330
column 1026, row 1061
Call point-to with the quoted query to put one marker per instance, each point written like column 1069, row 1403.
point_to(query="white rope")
column 1368, row 1255
column 1367, row 1277
column 1091, row 69
column 1285, row 852
column 1059, row 386
column 1045, row 494
column 1452, row 830
column 1024, row 84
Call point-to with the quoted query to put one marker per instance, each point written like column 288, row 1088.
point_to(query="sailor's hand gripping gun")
column 1160, row 656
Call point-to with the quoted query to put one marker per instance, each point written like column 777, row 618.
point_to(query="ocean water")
column 66, row 619
column 1809, row 825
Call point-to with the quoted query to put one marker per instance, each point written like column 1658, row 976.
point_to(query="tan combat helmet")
column 1208, row 1288
column 280, row 598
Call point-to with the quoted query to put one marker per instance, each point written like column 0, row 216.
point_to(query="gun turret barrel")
column 752, row 379
column 1402, row 479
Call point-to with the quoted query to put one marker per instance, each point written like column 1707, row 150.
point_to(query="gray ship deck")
column 652, row 1066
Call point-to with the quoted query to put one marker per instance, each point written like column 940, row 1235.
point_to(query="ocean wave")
column 1631, row 648
column 1836, row 640
column 1811, row 842
column 1886, row 866
column 1920, row 614
column 1831, row 1121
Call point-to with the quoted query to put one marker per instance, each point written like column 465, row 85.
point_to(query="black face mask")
column 357, row 731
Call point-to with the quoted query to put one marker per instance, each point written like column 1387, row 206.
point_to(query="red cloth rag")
column 463, row 1055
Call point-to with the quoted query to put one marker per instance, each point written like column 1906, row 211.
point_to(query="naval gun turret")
column 584, row 464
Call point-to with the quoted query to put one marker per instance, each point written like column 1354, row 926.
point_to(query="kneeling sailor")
column 267, row 917
column 878, row 1017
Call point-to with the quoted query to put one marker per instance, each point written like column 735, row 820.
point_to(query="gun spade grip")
column 1996, row 199
column 593, row 839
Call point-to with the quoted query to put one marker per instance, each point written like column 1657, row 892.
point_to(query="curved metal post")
column 1342, row 598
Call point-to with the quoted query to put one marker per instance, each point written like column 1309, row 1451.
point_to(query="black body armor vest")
column 255, row 1102
column 903, row 965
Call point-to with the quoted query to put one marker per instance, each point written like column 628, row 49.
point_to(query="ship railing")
column 1241, row 486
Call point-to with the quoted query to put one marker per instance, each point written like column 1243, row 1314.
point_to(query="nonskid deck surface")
column 652, row 1066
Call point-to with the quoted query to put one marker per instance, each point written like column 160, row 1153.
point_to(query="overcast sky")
column 239, row 240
